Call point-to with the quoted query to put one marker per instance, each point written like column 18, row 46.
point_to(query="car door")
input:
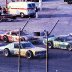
column 16, row 50
column 59, row 43
column 15, row 37
column 9, row 36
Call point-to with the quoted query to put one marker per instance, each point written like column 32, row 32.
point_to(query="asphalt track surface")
column 59, row 60
column 10, row 64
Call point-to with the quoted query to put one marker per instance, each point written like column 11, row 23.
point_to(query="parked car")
column 62, row 42
column 12, row 36
column 27, row 49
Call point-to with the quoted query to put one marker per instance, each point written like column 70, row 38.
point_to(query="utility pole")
column 19, row 59
column 47, row 34
column 47, row 51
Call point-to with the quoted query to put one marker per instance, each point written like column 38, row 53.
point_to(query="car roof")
column 63, row 36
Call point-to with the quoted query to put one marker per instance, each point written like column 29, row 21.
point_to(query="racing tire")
column 22, row 15
column 50, row 44
column 29, row 54
column 6, row 52
column 22, row 39
column 5, row 39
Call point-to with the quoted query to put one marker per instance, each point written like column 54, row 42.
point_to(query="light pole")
column 19, row 59
column 47, row 51
column 47, row 34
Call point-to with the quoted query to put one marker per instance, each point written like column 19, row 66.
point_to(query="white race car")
column 27, row 49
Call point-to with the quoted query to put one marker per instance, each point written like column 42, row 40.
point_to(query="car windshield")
column 59, row 39
column 64, row 39
column 31, row 5
column 27, row 45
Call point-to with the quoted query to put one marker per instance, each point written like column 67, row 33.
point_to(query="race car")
column 27, row 49
column 13, row 36
column 62, row 42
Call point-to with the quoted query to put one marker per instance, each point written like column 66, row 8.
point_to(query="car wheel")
column 29, row 54
column 22, row 15
column 50, row 44
column 6, row 52
column 5, row 39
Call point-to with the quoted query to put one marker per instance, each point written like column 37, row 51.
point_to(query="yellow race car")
column 27, row 49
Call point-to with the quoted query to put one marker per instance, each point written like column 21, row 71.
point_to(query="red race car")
column 12, row 36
